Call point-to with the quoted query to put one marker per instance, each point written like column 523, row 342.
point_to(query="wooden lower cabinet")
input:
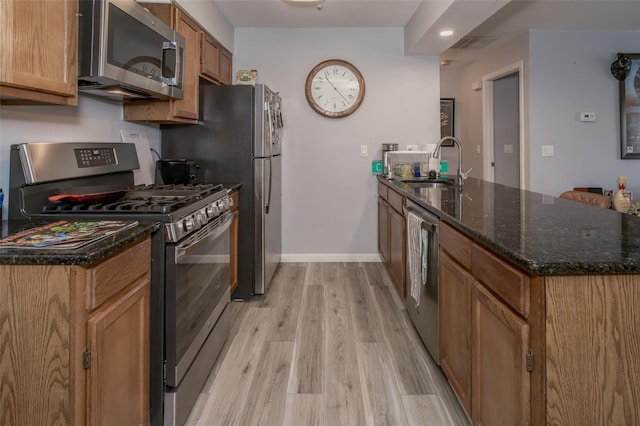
column 455, row 316
column 383, row 229
column 397, row 250
column 501, row 383
column 75, row 342
column 552, row 350
column 392, row 230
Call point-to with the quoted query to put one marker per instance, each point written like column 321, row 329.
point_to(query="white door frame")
column 487, row 125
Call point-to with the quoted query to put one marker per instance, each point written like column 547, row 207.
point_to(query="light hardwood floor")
column 330, row 344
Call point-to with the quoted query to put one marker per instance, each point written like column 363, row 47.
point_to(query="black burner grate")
column 142, row 199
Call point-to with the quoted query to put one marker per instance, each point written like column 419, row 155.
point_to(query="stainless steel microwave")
column 126, row 53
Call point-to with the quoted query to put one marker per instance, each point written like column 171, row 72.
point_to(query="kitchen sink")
column 428, row 183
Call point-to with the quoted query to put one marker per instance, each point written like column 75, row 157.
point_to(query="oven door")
column 196, row 292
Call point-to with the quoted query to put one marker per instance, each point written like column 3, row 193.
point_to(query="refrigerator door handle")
column 266, row 207
column 268, row 109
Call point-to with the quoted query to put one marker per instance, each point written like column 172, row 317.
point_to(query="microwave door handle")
column 170, row 81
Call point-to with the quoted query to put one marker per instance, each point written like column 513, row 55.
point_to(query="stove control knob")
column 188, row 224
column 202, row 217
column 212, row 210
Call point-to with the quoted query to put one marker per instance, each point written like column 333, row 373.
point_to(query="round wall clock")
column 334, row 88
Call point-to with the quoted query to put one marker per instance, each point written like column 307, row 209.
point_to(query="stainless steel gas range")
column 190, row 252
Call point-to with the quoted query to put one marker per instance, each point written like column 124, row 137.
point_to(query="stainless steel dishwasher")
column 422, row 275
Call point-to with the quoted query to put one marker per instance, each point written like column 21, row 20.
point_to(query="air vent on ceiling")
column 473, row 42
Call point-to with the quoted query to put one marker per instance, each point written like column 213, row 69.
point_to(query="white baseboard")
column 330, row 257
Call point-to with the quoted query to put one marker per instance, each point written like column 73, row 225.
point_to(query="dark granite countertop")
column 84, row 255
column 543, row 235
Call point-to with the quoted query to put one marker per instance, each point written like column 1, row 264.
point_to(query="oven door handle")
column 219, row 229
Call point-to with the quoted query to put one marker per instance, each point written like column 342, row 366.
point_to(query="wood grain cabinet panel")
column 506, row 281
column 383, row 229
column 456, row 245
column 216, row 61
column 392, row 229
column 226, row 66
column 455, row 327
column 39, row 51
column 397, row 250
column 210, row 61
column 484, row 342
column 118, row 340
column 62, row 364
column 501, row 383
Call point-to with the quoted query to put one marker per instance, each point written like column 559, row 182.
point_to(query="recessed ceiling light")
column 446, row 33
column 305, row 2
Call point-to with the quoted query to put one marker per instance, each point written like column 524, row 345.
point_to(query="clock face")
column 335, row 88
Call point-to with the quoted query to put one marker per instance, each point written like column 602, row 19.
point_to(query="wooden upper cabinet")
column 183, row 110
column 39, row 51
column 210, row 62
column 226, row 61
column 215, row 64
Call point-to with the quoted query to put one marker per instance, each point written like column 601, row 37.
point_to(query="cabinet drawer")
column 116, row 273
column 383, row 190
column 396, row 201
column 505, row 281
column 456, row 245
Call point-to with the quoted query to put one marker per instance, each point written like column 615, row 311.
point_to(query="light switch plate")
column 587, row 116
column 364, row 150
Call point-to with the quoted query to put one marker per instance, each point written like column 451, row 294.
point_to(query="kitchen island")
column 538, row 304
column 74, row 330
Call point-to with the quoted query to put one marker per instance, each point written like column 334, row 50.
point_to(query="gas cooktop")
column 144, row 199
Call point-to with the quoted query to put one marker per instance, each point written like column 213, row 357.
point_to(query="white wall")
column 469, row 103
column 209, row 17
column 93, row 120
column 569, row 73
column 329, row 193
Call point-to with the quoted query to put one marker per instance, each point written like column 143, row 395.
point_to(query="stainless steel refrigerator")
column 238, row 140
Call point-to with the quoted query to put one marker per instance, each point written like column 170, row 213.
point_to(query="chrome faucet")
column 436, row 153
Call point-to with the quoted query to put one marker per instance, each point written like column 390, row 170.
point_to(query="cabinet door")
column 455, row 327
column 210, row 63
column 118, row 340
column 383, row 229
column 501, row 382
column 397, row 250
column 38, row 50
column 188, row 106
column 226, row 61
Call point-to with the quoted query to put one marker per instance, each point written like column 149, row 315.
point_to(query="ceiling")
column 422, row 20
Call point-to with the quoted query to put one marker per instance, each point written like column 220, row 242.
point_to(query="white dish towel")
column 417, row 247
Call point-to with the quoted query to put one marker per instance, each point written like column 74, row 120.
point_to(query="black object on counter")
column 178, row 172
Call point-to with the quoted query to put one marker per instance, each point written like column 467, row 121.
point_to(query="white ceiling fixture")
column 317, row 3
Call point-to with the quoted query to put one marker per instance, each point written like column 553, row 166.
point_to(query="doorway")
column 503, row 137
